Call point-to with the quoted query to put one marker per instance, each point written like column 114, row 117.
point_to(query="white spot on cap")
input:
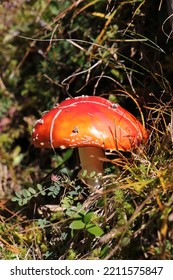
column 63, row 147
column 90, row 114
column 42, row 143
column 56, row 105
column 41, row 121
column 66, row 139
column 114, row 105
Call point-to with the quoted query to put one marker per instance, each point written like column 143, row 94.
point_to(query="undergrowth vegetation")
column 51, row 50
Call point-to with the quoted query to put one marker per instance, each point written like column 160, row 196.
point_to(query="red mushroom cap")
column 88, row 121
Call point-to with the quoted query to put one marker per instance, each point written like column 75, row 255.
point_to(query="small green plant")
column 24, row 196
column 84, row 221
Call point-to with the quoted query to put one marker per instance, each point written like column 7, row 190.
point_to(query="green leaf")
column 42, row 222
column 94, row 229
column 50, row 194
column 14, row 198
column 92, row 174
column 67, row 154
column 18, row 194
column 125, row 241
column 104, row 251
column 32, row 191
column 39, row 187
column 24, row 201
column 20, row 202
column 26, row 193
column 43, row 193
column 78, row 224
column 67, row 202
column 84, row 173
column 87, row 217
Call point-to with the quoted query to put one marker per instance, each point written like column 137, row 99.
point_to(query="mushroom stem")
column 90, row 158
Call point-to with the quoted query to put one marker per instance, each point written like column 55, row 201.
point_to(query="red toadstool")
column 93, row 125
